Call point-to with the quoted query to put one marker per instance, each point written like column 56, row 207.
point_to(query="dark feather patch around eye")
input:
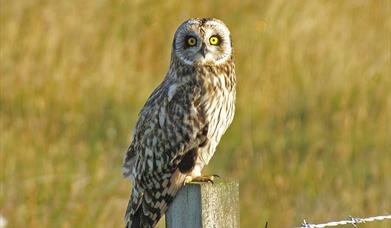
column 188, row 44
column 220, row 39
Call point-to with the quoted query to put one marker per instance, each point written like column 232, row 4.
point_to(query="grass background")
column 312, row 134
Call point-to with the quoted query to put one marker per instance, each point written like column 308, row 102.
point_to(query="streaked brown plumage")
column 182, row 121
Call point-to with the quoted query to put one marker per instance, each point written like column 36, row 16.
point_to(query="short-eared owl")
column 182, row 121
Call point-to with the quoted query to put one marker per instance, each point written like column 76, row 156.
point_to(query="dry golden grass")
column 312, row 134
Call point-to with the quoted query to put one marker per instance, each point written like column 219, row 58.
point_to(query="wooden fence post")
column 205, row 205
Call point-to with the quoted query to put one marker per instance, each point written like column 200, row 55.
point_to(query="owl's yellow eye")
column 191, row 41
column 214, row 40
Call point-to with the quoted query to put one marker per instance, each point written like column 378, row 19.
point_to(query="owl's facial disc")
column 202, row 41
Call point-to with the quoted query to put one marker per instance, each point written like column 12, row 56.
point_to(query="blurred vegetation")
column 312, row 134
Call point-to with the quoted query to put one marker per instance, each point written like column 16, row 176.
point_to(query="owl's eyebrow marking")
column 204, row 20
column 202, row 31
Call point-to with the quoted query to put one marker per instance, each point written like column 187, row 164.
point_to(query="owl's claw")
column 188, row 179
column 202, row 179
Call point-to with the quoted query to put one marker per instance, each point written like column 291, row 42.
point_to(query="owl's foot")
column 200, row 179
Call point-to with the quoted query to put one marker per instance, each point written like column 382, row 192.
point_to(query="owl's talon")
column 188, row 179
column 204, row 179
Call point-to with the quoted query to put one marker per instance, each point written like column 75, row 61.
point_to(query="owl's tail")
column 146, row 207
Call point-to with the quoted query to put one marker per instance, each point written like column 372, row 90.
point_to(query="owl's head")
column 202, row 41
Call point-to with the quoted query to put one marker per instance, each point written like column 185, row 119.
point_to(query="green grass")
column 312, row 134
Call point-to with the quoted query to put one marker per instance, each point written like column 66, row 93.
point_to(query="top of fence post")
column 205, row 205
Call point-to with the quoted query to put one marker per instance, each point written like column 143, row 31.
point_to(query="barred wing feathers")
column 171, row 124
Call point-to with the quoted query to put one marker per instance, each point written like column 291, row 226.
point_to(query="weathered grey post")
column 205, row 205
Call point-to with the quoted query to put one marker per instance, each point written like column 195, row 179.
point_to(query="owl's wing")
column 171, row 124
column 144, row 116
column 173, row 118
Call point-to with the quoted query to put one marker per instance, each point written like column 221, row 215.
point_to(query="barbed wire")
column 351, row 220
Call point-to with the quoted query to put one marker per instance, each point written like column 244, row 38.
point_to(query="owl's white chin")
column 200, row 59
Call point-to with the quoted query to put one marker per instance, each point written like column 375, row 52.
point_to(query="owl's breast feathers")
column 191, row 108
column 219, row 104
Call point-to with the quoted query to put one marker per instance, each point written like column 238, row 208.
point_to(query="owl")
column 183, row 120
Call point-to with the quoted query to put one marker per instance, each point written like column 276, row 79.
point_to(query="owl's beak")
column 203, row 49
